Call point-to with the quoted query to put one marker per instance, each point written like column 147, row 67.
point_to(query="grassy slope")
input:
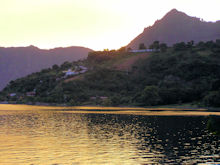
column 121, row 63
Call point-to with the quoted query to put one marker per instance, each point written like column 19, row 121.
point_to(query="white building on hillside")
column 142, row 50
column 69, row 72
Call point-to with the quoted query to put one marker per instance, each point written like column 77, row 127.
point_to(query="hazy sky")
column 96, row 24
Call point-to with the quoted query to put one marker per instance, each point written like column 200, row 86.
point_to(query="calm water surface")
column 50, row 137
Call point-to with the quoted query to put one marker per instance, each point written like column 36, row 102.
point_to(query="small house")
column 12, row 94
column 103, row 97
column 93, row 98
column 70, row 73
column 30, row 93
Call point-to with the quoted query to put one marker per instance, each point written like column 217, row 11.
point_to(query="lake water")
column 55, row 137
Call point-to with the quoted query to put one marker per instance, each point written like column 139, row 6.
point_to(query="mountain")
column 17, row 62
column 176, row 27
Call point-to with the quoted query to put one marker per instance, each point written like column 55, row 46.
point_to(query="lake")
column 67, row 137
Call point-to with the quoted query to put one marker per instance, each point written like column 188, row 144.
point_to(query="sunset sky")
column 96, row 24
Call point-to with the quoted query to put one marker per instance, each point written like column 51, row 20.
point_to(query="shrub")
column 212, row 99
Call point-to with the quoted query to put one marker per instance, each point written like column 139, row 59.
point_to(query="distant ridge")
column 16, row 62
column 176, row 27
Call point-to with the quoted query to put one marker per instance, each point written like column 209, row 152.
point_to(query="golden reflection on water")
column 75, row 137
column 49, row 138
column 112, row 110
column 35, row 107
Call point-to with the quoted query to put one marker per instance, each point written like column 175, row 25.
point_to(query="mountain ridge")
column 176, row 26
column 16, row 62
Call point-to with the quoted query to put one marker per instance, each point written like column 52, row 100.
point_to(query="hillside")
column 176, row 27
column 126, row 64
column 183, row 73
column 17, row 62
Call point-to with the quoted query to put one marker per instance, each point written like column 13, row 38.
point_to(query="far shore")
column 160, row 111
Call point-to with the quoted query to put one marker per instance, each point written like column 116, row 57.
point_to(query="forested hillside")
column 183, row 73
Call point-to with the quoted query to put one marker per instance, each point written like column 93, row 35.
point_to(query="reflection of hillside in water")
column 56, row 137
column 164, row 139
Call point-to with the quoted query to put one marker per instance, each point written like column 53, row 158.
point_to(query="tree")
column 179, row 46
column 155, row 45
column 122, row 49
column 142, row 46
column 55, row 67
column 190, row 44
column 107, row 102
column 106, row 50
column 66, row 65
column 218, row 42
column 163, row 47
column 212, row 99
column 213, row 124
column 150, row 95
column 210, row 44
column 72, row 102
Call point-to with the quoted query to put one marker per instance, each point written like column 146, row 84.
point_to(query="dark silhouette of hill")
column 176, row 27
column 16, row 62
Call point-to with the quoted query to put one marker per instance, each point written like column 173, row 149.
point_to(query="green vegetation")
column 213, row 124
column 98, row 58
column 183, row 73
column 142, row 46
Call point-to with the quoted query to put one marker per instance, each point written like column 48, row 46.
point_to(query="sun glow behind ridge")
column 96, row 24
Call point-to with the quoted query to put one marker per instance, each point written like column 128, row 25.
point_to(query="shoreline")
column 150, row 111
column 93, row 107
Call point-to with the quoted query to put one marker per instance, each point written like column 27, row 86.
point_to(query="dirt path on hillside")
column 128, row 63
column 78, row 77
